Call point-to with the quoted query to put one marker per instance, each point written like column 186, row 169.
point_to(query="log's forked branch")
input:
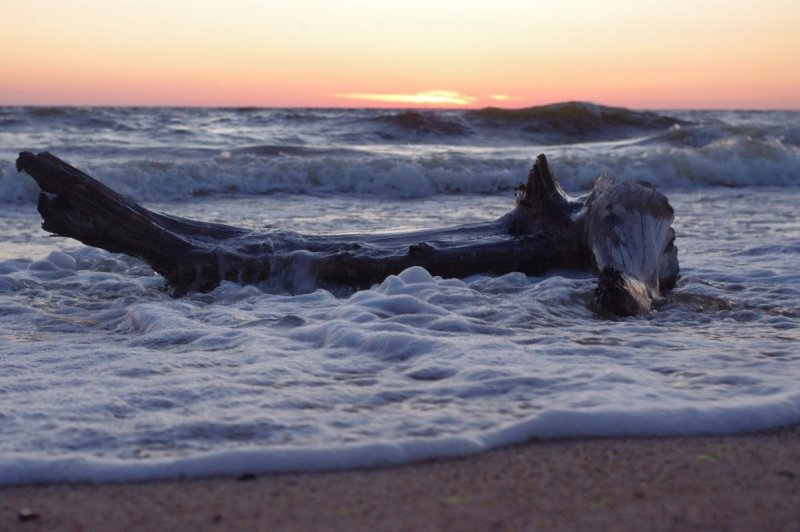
column 543, row 192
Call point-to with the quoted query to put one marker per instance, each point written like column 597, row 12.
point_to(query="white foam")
column 104, row 377
column 729, row 161
column 13, row 187
column 61, row 260
column 550, row 425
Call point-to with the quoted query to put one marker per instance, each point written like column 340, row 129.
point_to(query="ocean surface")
column 105, row 377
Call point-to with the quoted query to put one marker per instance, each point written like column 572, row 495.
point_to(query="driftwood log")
column 621, row 230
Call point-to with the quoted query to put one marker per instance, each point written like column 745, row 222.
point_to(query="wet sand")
column 744, row 482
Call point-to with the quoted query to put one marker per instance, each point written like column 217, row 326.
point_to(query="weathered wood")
column 629, row 233
column 545, row 230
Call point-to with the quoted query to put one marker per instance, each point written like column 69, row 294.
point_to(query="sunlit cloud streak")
column 503, row 97
column 438, row 97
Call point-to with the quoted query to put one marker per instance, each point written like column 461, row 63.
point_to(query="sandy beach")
column 742, row 482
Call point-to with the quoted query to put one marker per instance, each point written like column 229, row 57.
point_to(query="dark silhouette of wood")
column 545, row 230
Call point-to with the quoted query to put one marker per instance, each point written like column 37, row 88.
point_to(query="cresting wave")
column 730, row 162
column 166, row 154
column 568, row 122
column 576, row 121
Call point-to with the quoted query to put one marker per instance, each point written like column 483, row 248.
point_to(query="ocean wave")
column 546, row 124
column 168, row 154
column 278, row 150
column 548, row 425
column 420, row 123
column 720, row 161
column 691, row 136
column 15, row 188
column 725, row 161
column 398, row 177
column 46, row 112
column 792, row 136
column 576, row 121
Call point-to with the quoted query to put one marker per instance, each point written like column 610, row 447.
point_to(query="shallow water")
column 103, row 376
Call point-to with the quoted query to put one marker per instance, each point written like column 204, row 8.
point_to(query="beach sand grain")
column 741, row 482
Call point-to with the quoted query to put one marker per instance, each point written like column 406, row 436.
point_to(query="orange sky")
column 475, row 53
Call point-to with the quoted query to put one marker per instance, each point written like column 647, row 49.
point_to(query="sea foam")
column 725, row 162
column 105, row 377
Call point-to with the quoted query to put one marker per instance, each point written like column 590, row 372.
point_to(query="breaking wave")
column 736, row 162
column 420, row 123
column 575, row 121
column 165, row 154
column 548, row 124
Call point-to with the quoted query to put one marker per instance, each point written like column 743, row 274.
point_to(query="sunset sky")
column 409, row 53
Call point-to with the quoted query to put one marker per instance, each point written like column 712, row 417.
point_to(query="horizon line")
column 430, row 107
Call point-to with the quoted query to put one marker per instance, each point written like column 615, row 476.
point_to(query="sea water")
column 105, row 377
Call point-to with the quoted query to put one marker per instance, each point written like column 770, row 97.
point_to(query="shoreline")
column 735, row 482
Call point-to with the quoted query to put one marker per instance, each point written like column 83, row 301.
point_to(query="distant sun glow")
column 503, row 97
column 399, row 53
column 420, row 98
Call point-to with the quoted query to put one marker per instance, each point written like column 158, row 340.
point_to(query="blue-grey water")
column 103, row 376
